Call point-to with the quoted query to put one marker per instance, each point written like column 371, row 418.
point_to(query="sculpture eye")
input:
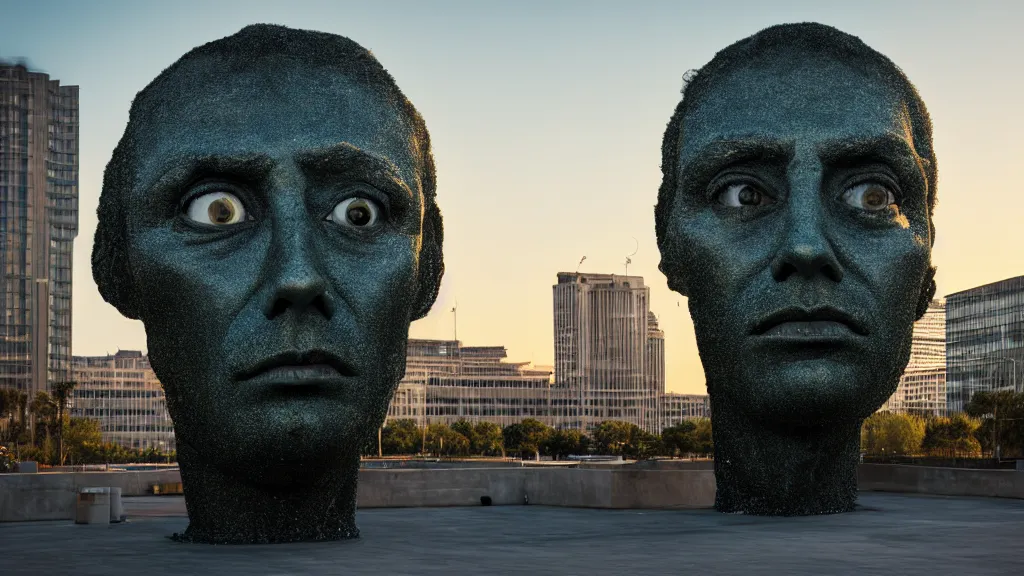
column 870, row 196
column 216, row 208
column 357, row 212
column 739, row 195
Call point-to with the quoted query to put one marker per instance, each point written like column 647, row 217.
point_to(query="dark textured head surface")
column 775, row 41
column 239, row 52
column 795, row 214
column 270, row 216
column 799, row 115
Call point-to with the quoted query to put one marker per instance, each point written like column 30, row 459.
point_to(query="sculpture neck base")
column 224, row 509
column 784, row 470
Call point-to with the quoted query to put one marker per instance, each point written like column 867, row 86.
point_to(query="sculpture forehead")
column 277, row 107
column 801, row 99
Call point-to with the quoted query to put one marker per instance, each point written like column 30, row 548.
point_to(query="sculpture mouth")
column 814, row 323
column 298, row 367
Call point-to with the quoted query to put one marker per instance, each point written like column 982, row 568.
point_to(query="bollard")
column 93, row 506
column 116, row 506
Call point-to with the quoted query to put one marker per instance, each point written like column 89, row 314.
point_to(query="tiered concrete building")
column 446, row 381
column 984, row 340
column 674, row 408
column 38, row 225
column 123, row 393
column 922, row 388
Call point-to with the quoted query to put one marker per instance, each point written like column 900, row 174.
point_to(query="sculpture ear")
column 110, row 268
column 431, row 268
column 927, row 293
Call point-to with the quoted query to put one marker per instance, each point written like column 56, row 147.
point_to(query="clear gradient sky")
column 546, row 120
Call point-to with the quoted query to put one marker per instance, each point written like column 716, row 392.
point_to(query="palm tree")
column 61, row 395
column 42, row 410
column 7, row 404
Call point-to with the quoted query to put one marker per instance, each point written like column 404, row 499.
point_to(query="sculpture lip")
column 823, row 314
column 296, row 359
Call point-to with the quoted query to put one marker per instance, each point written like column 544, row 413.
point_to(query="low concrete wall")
column 941, row 481
column 442, row 487
column 569, row 487
column 51, row 496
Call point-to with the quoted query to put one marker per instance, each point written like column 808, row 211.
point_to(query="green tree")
column 625, row 439
column 468, row 431
column 892, row 434
column 62, row 397
column 612, row 437
column 1002, row 421
column 526, row 437
column 704, row 442
column 565, row 442
column 43, row 410
column 443, row 441
column 952, row 437
column 488, row 439
column 401, row 436
column 679, row 440
column 82, row 436
column 8, row 408
column 642, row 444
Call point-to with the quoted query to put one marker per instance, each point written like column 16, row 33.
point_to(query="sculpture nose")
column 297, row 283
column 806, row 251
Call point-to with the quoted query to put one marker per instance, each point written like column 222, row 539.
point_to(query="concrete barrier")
column 941, row 481
column 52, row 496
column 46, row 496
column 552, row 486
column 443, row 487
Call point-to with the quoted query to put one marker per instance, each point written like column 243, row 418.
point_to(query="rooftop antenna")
column 628, row 258
column 455, row 317
column 580, row 264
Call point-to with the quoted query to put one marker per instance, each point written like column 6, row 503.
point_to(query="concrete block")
column 28, row 467
column 116, row 505
column 93, row 506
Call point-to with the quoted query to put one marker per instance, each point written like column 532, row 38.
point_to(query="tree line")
column 989, row 420
column 42, row 430
column 532, row 438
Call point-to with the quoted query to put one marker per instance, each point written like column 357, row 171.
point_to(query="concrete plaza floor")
column 890, row 534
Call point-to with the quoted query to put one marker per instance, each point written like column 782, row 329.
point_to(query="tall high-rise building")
column 38, row 225
column 601, row 348
column 654, row 364
column 922, row 387
column 984, row 340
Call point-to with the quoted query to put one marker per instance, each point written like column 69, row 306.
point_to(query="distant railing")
column 940, row 462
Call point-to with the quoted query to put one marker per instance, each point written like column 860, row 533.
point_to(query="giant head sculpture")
column 270, row 216
column 795, row 214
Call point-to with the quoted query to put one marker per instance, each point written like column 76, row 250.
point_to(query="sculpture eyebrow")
column 889, row 149
column 871, row 148
column 180, row 170
column 345, row 158
column 718, row 155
